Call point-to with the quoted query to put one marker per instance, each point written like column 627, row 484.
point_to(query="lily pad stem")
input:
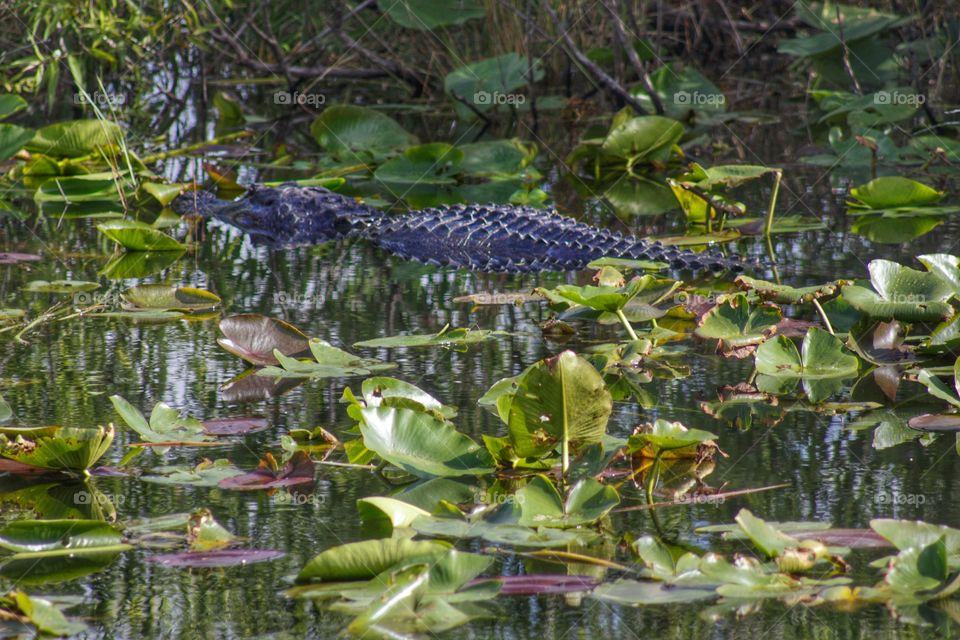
column 777, row 177
column 823, row 316
column 627, row 325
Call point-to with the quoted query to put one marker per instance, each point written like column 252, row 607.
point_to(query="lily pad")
column 60, row 286
column 421, row 444
column 360, row 560
column 559, row 398
column 164, row 297
column 446, row 337
column 216, row 558
column 736, row 323
column 268, row 475
column 58, row 448
column 328, row 362
column 139, row 236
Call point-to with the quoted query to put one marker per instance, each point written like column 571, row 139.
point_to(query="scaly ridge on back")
column 491, row 237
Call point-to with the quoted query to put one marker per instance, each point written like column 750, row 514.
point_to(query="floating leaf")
column 60, row 286
column 328, row 362
column 59, row 448
column 736, row 323
column 542, row 506
column 219, row 558
column 41, row 613
column 348, row 129
column 421, row 444
column 557, row 398
column 298, row 470
column 895, row 191
column 54, row 535
column 664, row 436
column 12, row 139
column 446, row 337
column 491, row 83
column 73, row 138
column 636, row 593
column 234, row 426
column 170, row 298
column 644, row 138
column 429, row 14
column 138, row 236
column 205, row 474
column 360, row 560
column 165, row 425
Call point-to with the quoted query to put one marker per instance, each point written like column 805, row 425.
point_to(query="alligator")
column 491, row 237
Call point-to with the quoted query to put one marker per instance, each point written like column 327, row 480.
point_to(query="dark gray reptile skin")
column 492, row 237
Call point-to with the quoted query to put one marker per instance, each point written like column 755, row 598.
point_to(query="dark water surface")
column 350, row 292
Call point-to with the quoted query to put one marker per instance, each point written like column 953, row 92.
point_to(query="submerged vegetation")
column 322, row 440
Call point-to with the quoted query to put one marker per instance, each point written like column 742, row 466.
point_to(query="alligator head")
column 284, row 216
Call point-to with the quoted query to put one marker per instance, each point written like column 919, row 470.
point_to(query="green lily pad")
column 446, row 337
column 58, row 448
column 422, row 445
column 165, row 423
column 164, row 297
column 783, row 294
column 736, row 323
column 667, row 436
column 359, row 560
column 636, row 593
column 348, row 129
column 138, row 236
column 557, row 398
column 895, row 191
column 60, row 286
column 73, row 138
column 328, row 362
column 542, row 506
column 53, row 535
column 822, row 356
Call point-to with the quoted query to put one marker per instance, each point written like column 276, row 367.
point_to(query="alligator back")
column 489, row 237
